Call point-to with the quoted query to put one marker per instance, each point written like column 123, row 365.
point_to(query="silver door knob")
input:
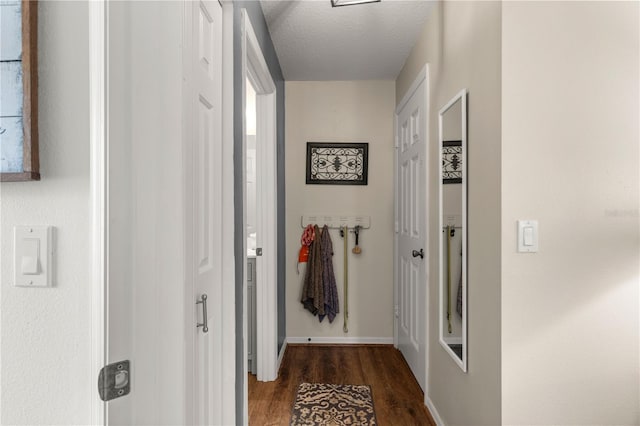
column 416, row 253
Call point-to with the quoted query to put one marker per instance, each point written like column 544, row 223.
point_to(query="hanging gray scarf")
column 330, row 289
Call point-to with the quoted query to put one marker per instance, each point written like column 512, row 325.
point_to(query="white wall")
column 461, row 42
column 570, row 326
column 343, row 111
column 45, row 334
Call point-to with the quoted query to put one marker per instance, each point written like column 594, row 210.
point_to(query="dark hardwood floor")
column 397, row 397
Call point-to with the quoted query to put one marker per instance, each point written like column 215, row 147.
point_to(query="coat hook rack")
column 336, row 221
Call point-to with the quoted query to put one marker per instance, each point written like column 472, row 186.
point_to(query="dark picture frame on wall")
column 451, row 162
column 19, row 111
column 337, row 163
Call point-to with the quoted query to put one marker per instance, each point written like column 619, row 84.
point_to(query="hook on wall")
column 357, row 249
column 452, row 230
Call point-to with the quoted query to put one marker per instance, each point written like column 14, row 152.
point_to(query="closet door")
column 204, row 212
column 411, row 258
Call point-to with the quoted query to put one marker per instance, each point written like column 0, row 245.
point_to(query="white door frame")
column 228, row 217
column 254, row 68
column 99, row 178
column 98, row 190
column 422, row 76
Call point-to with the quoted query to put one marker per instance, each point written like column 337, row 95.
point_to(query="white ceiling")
column 315, row 41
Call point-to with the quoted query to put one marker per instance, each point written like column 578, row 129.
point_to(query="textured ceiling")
column 315, row 41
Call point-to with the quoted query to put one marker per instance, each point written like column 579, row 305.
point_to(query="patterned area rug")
column 333, row 405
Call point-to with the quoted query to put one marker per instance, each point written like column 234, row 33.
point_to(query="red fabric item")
column 308, row 235
column 303, row 256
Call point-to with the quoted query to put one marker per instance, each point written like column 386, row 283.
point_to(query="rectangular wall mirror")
column 452, row 127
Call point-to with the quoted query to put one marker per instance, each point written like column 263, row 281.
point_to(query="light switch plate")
column 32, row 256
column 527, row 236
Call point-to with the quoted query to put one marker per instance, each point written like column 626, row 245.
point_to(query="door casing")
column 98, row 180
column 255, row 68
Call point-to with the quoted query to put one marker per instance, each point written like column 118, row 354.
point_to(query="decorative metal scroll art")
column 452, row 162
column 337, row 163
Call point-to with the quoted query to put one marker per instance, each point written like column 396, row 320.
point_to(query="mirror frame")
column 462, row 96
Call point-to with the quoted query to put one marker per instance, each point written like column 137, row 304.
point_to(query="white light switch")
column 33, row 254
column 30, row 256
column 527, row 236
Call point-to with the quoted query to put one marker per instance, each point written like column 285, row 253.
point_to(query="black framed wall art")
column 337, row 163
column 452, row 162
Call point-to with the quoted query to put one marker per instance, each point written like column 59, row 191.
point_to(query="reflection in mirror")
column 251, row 170
column 453, row 223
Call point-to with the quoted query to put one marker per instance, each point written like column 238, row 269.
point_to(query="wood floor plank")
column 397, row 397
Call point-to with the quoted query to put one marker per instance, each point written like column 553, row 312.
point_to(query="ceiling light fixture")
column 338, row 3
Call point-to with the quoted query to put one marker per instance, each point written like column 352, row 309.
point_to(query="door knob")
column 417, row 253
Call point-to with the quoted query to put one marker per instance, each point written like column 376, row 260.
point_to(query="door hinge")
column 396, row 311
column 259, row 251
column 396, row 227
column 114, row 380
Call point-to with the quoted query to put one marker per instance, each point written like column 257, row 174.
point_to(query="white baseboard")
column 281, row 355
column 453, row 340
column 434, row 412
column 341, row 340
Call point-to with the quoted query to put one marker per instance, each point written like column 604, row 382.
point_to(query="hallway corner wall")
column 254, row 11
column 461, row 43
column 571, row 160
column 343, row 111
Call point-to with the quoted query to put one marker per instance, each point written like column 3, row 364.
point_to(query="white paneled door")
column 204, row 214
column 162, row 200
column 411, row 232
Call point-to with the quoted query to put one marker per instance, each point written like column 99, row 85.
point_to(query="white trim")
column 462, row 363
column 460, row 95
column 244, row 301
column 341, row 340
column 396, row 231
column 434, row 412
column 254, row 67
column 427, row 91
column 453, row 340
column 98, row 191
column 187, row 195
column 228, row 217
column 283, row 349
